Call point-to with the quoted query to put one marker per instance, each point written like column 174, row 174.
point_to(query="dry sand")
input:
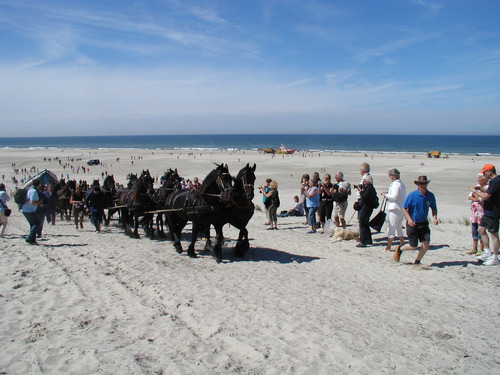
column 87, row 303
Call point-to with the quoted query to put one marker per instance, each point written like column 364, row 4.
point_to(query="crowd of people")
column 319, row 201
column 323, row 200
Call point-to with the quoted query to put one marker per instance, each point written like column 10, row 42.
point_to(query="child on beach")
column 476, row 213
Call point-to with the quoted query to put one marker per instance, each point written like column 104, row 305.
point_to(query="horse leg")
column 175, row 231
column 159, row 225
column 242, row 245
column 218, row 243
column 194, row 237
column 107, row 218
column 136, row 226
column 208, row 243
column 125, row 220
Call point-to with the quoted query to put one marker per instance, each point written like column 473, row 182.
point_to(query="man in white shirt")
column 33, row 200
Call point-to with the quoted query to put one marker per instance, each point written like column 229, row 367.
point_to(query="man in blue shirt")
column 29, row 211
column 416, row 208
column 95, row 206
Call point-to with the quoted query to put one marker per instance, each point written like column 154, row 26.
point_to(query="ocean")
column 447, row 144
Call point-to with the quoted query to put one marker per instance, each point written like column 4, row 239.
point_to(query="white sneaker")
column 493, row 261
column 484, row 256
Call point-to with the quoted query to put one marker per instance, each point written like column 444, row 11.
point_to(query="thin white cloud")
column 433, row 6
column 389, row 48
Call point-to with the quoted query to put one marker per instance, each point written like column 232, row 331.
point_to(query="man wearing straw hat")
column 416, row 209
column 490, row 220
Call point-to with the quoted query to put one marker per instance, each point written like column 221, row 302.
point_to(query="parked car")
column 93, row 162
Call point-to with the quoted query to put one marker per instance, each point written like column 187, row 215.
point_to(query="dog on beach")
column 341, row 234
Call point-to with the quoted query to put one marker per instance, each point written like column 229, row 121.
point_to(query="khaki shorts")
column 339, row 209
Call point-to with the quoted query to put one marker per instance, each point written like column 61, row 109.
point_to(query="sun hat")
column 422, row 180
column 487, row 167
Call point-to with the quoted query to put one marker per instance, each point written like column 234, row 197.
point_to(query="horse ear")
column 254, row 167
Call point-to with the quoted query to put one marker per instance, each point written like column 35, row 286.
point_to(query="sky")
column 114, row 67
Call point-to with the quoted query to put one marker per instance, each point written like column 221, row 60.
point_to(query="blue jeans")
column 311, row 216
column 35, row 225
column 96, row 218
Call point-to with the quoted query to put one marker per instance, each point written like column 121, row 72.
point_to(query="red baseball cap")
column 487, row 167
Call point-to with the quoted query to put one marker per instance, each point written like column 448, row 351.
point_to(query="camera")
column 355, row 186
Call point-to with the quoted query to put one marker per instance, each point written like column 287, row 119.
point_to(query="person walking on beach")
column 32, row 201
column 490, row 220
column 416, row 209
column 42, row 208
column 77, row 200
column 476, row 214
column 4, row 198
column 95, row 206
column 395, row 199
column 52, row 204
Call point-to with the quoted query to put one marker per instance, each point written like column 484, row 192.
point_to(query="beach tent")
column 46, row 177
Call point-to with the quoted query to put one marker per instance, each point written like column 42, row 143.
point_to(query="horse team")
column 221, row 199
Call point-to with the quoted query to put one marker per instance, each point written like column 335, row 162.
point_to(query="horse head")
column 172, row 179
column 246, row 176
column 132, row 180
column 71, row 185
column 224, row 182
column 148, row 181
column 109, row 184
column 218, row 182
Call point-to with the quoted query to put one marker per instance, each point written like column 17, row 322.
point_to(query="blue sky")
column 91, row 67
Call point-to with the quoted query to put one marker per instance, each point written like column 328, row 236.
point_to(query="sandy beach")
column 87, row 303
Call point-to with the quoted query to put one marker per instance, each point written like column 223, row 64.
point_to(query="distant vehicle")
column 434, row 154
column 93, row 162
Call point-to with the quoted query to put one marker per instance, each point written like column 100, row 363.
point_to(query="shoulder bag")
column 378, row 220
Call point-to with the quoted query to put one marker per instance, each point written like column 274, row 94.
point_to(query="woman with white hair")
column 395, row 198
column 367, row 202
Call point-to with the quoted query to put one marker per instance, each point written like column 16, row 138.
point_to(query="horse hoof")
column 178, row 248
column 218, row 260
column 192, row 254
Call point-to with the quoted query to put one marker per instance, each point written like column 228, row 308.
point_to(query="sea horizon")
column 368, row 143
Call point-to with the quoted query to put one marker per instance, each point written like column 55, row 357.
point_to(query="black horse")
column 136, row 201
column 203, row 207
column 241, row 209
column 109, row 190
column 170, row 181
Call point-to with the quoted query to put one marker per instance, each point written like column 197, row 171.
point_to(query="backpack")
column 20, row 196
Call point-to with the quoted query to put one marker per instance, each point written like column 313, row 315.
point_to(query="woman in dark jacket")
column 368, row 202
